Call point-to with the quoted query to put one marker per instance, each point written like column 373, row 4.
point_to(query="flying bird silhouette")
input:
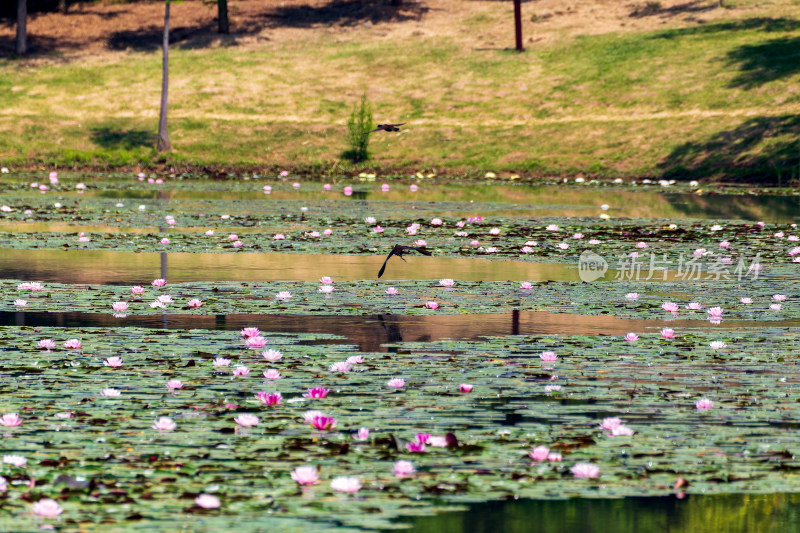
column 399, row 250
column 387, row 127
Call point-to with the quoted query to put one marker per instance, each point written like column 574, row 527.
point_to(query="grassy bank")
column 716, row 95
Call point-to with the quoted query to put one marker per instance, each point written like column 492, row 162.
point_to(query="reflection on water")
column 728, row 513
column 370, row 333
column 110, row 268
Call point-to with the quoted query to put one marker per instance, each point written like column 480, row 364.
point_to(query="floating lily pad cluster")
column 89, row 428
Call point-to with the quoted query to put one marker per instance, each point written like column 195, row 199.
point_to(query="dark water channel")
column 725, row 513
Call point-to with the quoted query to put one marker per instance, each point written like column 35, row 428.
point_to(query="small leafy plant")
column 359, row 125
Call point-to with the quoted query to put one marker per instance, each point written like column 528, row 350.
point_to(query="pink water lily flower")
column 632, row 296
column 552, row 388
column 631, row 337
column 159, row 282
column 194, row 302
column 447, row 282
column 403, row 468
column 174, row 384
column 413, row 187
column 47, row 344
column 20, row 303
column 715, row 312
column 137, row 289
column 326, row 289
column 272, row 355
column 164, row 241
column 610, row 423
column 250, row 332
column 305, row 475
column 778, row 297
column 110, row 392
column 326, row 280
column 316, row 393
column 621, row 431
column 391, row 291
column 539, row 453
column 694, row 306
column 11, row 420
column 119, row 306
column 241, row 371
column 340, row 366
column 283, row 295
column 667, row 333
column 207, row 501
column 431, row 305
column 362, row 434
column 255, row 342
column 548, row 356
column 246, row 420
column 164, row 423
column 585, row 470
column 775, row 307
column 270, row 398
column 554, row 457
column 396, row 383
column 746, row 300
column 670, row 307
column 47, row 508
column 717, row 345
column 113, row 362
column 465, row 387
column 704, row 404
column 221, row 361
column 272, row 374
column 385, row 187
column 347, row 484
column 15, row 460
column 525, row 285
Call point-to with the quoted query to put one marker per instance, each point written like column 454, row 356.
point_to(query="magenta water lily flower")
column 270, row 398
column 246, row 420
column 347, row 484
column 207, row 501
column 11, row 420
column 403, row 468
column 47, row 508
column 113, row 362
column 316, row 392
column 164, row 423
column 416, row 447
column 323, row 422
column 539, row 453
column 431, row 305
column 305, row 475
column 585, row 470
column 704, row 404
column 385, row 187
column 465, row 387
column 631, row 337
column 396, row 383
column 548, row 356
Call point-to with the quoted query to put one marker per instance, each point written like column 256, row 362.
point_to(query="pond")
column 487, row 386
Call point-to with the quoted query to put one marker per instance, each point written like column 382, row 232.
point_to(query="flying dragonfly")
column 399, row 250
column 387, row 127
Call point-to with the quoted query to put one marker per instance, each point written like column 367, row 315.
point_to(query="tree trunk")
column 222, row 15
column 22, row 27
column 518, row 25
column 163, row 136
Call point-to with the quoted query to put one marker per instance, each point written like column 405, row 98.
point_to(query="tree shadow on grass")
column 654, row 9
column 765, row 62
column 759, row 149
column 765, row 24
column 112, row 138
column 346, row 13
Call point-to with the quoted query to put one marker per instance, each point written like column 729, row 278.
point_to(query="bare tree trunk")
column 518, row 25
column 163, row 136
column 222, row 15
column 22, row 27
